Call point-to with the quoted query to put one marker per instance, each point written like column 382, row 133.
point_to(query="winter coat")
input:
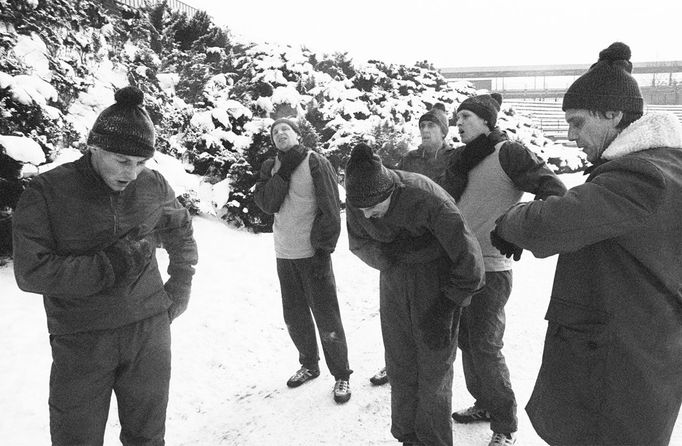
column 63, row 222
column 271, row 192
column 612, row 367
column 431, row 166
column 497, row 183
column 420, row 212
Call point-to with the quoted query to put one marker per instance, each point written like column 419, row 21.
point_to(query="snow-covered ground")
column 232, row 355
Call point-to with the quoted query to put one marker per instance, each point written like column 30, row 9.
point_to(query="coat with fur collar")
column 612, row 366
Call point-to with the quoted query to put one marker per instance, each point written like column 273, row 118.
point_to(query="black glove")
column 178, row 290
column 320, row 263
column 507, row 249
column 129, row 256
column 289, row 161
column 436, row 324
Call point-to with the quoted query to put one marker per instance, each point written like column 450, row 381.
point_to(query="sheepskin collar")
column 654, row 129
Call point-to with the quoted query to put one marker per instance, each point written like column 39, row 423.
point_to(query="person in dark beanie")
column 486, row 176
column 430, row 159
column 422, row 291
column 85, row 235
column 299, row 187
column 432, row 155
column 612, row 363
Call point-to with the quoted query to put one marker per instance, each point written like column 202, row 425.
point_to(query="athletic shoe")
column 341, row 391
column 500, row 439
column 302, row 375
column 471, row 415
column 380, row 378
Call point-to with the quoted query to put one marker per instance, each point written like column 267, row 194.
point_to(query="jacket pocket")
column 578, row 339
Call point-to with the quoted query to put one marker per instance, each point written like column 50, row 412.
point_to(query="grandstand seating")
column 548, row 116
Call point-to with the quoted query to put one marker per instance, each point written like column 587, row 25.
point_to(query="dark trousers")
column 480, row 339
column 420, row 377
column 134, row 361
column 308, row 293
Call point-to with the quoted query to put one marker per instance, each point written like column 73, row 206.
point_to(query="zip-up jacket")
column 271, row 192
column 66, row 218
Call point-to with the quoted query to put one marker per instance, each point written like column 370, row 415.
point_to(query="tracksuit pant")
column 133, row 361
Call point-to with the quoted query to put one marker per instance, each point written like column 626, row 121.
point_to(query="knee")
column 329, row 336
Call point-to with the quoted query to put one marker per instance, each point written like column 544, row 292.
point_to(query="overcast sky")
column 460, row 33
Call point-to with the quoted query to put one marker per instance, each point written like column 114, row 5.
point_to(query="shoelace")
column 302, row 373
column 501, row 439
column 341, row 386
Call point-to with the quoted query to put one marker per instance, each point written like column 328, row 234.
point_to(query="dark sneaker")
column 302, row 375
column 500, row 439
column 380, row 378
column 341, row 391
column 471, row 415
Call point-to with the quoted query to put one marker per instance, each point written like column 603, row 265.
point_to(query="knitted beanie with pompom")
column 368, row 182
column 608, row 85
column 125, row 127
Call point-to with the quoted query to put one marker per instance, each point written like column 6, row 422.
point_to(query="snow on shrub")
column 213, row 99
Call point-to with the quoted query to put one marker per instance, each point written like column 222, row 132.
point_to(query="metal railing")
column 175, row 5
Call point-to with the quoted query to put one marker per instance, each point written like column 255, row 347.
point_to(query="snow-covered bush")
column 212, row 99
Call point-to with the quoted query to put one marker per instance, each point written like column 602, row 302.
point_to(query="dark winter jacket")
column 421, row 212
column 429, row 165
column 63, row 222
column 271, row 192
column 612, row 368
column 494, row 185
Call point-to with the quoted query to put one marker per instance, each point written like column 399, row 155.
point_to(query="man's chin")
column 118, row 187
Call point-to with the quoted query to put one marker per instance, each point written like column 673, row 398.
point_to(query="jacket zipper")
column 114, row 209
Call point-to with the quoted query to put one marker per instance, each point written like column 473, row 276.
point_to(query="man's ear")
column 615, row 116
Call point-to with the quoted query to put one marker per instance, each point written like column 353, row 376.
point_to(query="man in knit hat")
column 430, row 159
column 486, row 176
column 432, row 155
column 299, row 187
column 85, row 235
column 421, row 291
column 612, row 363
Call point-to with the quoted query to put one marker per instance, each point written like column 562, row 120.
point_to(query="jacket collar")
column 654, row 129
column 93, row 179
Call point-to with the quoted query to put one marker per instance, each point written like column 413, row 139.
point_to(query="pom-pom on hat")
column 438, row 116
column 484, row 106
column 288, row 121
column 125, row 127
column 608, row 85
column 368, row 182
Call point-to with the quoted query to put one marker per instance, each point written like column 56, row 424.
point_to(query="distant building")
column 660, row 82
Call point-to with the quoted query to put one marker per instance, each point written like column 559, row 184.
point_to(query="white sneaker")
column 500, row 439
column 341, row 391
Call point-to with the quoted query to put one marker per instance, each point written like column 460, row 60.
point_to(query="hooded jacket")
column 612, row 368
column 63, row 222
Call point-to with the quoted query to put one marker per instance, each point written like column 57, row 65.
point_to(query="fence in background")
column 175, row 5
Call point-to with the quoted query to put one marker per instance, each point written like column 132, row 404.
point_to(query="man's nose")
column 130, row 173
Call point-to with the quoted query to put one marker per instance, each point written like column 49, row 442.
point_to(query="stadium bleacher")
column 548, row 116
